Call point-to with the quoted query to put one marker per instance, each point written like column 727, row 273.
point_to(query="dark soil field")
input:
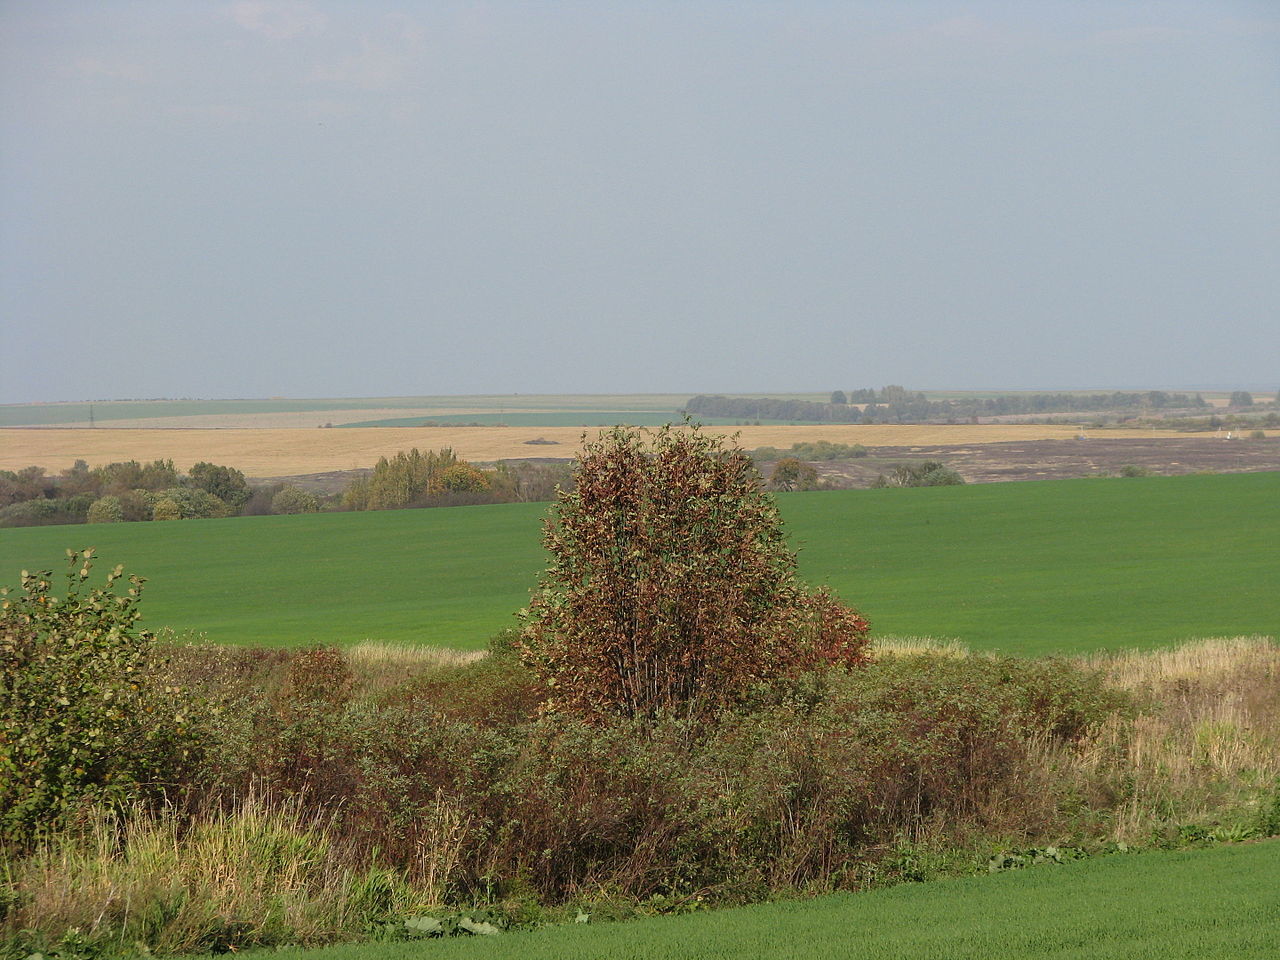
column 1062, row 459
column 992, row 462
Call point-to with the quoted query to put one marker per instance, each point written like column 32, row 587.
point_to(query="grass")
column 1051, row 567
column 1223, row 902
column 252, row 872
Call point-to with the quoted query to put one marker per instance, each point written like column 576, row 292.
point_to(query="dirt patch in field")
column 1061, row 459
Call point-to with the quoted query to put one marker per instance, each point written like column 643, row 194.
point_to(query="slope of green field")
column 1048, row 567
column 1199, row 904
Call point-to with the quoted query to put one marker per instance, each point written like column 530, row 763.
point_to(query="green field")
column 1031, row 568
column 562, row 418
column 54, row 414
column 1198, row 904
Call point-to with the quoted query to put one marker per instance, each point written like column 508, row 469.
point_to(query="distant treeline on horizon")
column 894, row 404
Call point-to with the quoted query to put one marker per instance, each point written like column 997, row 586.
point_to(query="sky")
column 309, row 198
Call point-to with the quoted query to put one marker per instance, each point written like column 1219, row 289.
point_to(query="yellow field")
column 288, row 419
column 276, row 453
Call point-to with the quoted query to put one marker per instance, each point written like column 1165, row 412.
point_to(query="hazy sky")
column 314, row 198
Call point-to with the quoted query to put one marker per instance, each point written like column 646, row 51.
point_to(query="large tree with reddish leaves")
column 671, row 588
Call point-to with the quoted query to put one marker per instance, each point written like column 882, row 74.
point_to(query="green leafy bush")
column 106, row 510
column 82, row 717
column 291, row 499
column 929, row 473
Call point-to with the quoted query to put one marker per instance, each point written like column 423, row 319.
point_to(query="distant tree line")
column 131, row 491
column 440, row 478
column 896, row 404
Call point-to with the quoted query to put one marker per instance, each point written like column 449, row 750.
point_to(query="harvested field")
column 1063, row 459
column 274, row 453
column 282, row 420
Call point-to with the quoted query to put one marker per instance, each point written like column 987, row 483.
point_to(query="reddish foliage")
column 670, row 586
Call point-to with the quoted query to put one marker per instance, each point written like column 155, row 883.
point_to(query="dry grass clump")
column 1205, row 738
column 256, row 873
column 893, row 646
column 378, row 666
column 1216, row 661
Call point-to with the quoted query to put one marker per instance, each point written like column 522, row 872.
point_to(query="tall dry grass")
column 1206, row 736
column 253, row 874
column 378, row 666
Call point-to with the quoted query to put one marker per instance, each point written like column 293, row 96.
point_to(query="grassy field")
column 1034, row 568
column 259, row 412
column 1199, row 904
column 287, row 452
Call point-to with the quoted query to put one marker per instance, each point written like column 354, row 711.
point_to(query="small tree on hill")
column 671, row 589
column 790, row 473
column 226, row 483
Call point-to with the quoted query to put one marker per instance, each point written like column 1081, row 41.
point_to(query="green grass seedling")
column 1187, row 905
column 1064, row 567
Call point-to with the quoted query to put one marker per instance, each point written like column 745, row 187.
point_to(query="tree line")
column 131, row 491
column 128, row 491
column 896, row 404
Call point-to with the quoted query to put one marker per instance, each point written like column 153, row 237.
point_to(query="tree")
column 106, row 510
column 1241, row 398
column 166, row 509
column 792, row 474
column 460, row 477
column 670, row 588
column 930, row 473
column 226, row 483
column 192, row 502
column 292, row 499
column 837, row 396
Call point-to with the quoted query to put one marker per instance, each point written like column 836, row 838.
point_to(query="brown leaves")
column 671, row 588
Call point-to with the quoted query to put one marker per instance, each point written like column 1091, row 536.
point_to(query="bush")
column 166, row 509
column 1133, row 470
column 459, row 477
column 929, row 473
column 81, row 717
column 670, row 585
column 225, row 483
column 792, row 474
column 295, row 500
column 106, row 510
column 193, row 503
column 34, row 513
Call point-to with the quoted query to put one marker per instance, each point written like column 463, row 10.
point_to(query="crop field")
column 557, row 418
column 1223, row 902
column 282, row 412
column 1034, row 568
column 292, row 452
